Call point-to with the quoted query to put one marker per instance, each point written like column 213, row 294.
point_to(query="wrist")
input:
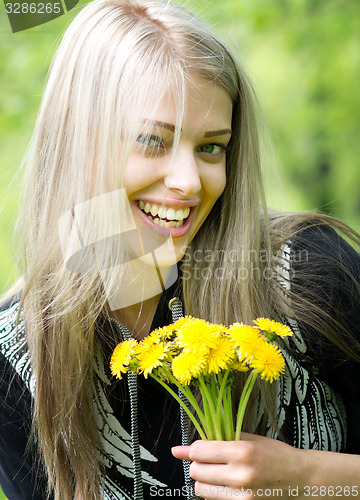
column 328, row 474
column 305, row 476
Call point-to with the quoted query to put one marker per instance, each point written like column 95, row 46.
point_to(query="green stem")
column 191, row 398
column 214, row 386
column 210, row 395
column 211, row 408
column 243, row 395
column 186, row 409
column 229, row 421
column 208, row 416
column 221, row 402
column 243, row 402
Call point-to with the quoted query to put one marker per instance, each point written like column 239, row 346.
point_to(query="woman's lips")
column 174, row 232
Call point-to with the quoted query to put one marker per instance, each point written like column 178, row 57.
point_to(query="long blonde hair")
column 116, row 56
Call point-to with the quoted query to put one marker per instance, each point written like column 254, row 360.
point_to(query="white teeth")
column 182, row 213
column 175, row 218
column 179, row 214
column 170, row 214
column 162, row 223
column 170, row 224
column 154, row 210
column 162, row 213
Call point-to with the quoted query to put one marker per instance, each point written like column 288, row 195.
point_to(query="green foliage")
column 304, row 57
column 24, row 61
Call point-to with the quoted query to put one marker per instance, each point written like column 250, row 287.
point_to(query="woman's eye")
column 211, row 149
column 150, row 142
column 214, row 150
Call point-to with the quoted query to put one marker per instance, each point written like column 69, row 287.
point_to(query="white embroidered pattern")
column 308, row 409
column 116, row 452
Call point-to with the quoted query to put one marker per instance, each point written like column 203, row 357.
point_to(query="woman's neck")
column 134, row 298
column 138, row 318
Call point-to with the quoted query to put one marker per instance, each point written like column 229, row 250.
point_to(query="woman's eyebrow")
column 156, row 123
column 169, row 126
column 213, row 133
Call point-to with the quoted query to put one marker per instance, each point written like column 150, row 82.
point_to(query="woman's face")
column 177, row 191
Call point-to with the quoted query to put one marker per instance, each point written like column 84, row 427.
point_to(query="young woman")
column 144, row 183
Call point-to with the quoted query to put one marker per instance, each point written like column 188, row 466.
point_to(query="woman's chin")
column 163, row 257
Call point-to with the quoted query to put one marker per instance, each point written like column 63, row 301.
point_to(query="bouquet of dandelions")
column 195, row 352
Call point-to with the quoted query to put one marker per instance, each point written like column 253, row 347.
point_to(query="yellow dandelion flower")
column 247, row 340
column 269, row 362
column 271, row 326
column 122, row 356
column 169, row 331
column 197, row 335
column 163, row 333
column 219, row 357
column 181, row 322
column 188, row 365
column 239, row 366
column 151, row 339
column 150, row 357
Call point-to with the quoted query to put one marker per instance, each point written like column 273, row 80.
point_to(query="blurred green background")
column 304, row 58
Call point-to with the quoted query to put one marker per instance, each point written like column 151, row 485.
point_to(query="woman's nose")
column 182, row 173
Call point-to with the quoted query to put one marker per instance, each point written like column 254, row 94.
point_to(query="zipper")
column 135, row 443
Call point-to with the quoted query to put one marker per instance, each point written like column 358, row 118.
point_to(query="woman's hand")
column 230, row 469
column 257, row 466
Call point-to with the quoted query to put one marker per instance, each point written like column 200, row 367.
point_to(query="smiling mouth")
column 162, row 216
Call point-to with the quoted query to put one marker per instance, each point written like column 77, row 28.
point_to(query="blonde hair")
column 116, row 56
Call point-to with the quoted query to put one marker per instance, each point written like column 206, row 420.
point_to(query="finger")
column 199, row 451
column 181, row 452
column 205, row 490
column 216, row 474
column 219, row 452
column 220, row 474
